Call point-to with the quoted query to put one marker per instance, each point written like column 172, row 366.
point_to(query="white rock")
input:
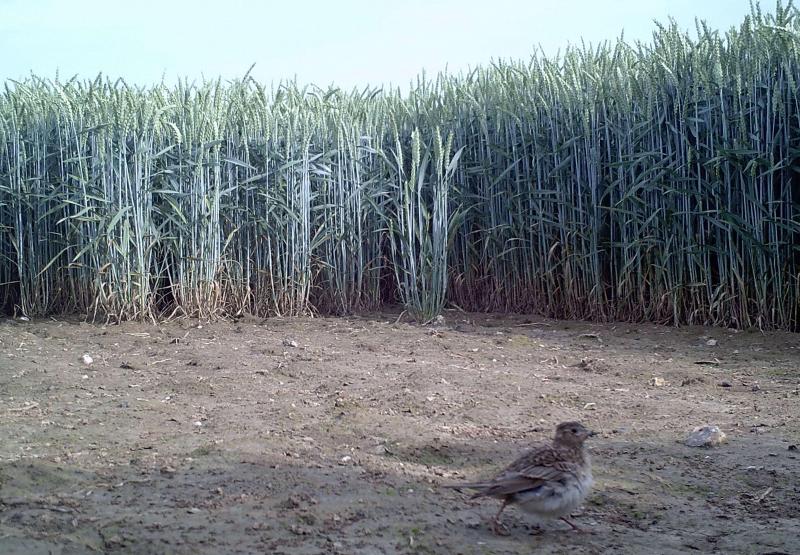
column 87, row 360
column 706, row 436
column 657, row 381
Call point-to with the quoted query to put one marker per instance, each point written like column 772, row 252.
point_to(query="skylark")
column 550, row 480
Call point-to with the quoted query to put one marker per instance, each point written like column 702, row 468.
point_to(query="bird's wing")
column 530, row 471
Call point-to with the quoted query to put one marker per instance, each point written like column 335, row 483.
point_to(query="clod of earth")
column 706, row 436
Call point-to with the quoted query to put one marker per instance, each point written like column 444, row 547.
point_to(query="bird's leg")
column 497, row 527
column 572, row 525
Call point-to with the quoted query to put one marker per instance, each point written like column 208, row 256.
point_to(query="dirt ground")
column 333, row 435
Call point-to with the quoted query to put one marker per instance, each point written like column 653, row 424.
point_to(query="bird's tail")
column 479, row 487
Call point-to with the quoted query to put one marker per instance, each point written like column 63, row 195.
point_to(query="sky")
column 348, row 43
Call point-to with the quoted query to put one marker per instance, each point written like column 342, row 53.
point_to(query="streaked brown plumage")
column 549, row 480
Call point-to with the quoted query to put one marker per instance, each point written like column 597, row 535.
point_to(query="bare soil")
column 333, row 435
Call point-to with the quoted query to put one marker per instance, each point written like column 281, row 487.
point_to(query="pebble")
column 87, row 360
column 657, row 381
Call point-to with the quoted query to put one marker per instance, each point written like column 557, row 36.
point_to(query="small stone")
column 724, row 384
column 197, row 424
column 706, row 436
column 590, row 406
column 792, row 448
column 290, row 343
column 346, row 460
column 692, row 380
column 87, row 360
column 711, row 342
column 193, row 510
column 299, row 530
column 471, row 521
column 657, row 381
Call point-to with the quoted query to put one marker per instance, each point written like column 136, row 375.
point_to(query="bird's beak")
column 592, row 433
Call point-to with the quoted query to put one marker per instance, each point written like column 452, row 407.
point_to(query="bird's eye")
column 574, row 430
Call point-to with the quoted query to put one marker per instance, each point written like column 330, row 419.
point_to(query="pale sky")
column 344, row 42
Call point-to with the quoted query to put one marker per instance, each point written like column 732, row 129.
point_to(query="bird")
column 549, row 480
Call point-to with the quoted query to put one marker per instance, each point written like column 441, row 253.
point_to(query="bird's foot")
column 499, row 528
column 575, row 526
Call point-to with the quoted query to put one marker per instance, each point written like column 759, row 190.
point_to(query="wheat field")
column 640, row 182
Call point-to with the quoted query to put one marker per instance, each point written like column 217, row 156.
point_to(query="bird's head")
column 572, row 433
